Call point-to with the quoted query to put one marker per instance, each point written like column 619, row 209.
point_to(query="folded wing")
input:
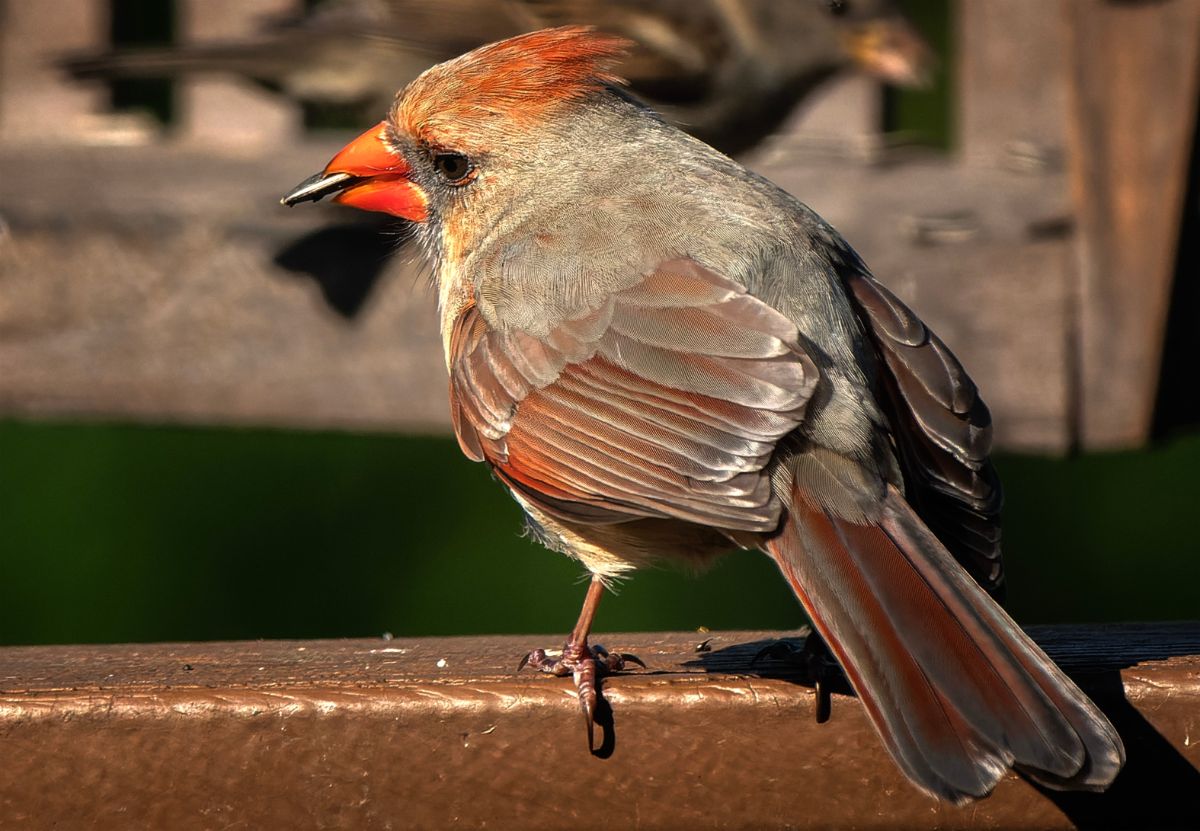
column 942, row 430
column 667, row 400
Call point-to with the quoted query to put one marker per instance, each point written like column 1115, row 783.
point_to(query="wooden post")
column 440, row 733
column 1011, row 83
column 231, row 112
column 1134, row 70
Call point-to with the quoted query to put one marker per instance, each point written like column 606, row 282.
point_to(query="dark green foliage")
column 121, row 533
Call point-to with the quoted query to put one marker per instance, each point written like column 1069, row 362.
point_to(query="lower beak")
column 366, row 174
column 893, row 51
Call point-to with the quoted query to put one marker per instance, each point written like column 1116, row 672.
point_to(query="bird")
column 664, row 356
column 729, row 71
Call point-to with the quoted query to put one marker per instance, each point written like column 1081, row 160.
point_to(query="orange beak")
column 366, row 174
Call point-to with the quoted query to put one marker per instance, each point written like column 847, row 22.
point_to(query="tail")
column 166, row 62
column 957, row 691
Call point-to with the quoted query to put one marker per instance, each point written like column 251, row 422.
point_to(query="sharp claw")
column 587, row 664
column 587, row 704
column 816, row 661
column 585, row 684
column 532, row 659
column 823, row 703
column 538, row 659
column 633, row 659
column 591, row 731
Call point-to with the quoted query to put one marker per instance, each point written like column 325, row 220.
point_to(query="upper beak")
column 892, row 50
column 367, row 174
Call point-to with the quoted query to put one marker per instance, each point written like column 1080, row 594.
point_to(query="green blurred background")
column 121, row 533
column 133, row 533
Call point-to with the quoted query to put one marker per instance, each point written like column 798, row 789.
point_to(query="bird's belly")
column 610, row 551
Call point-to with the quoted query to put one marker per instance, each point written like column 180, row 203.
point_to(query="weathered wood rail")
column 441, row 733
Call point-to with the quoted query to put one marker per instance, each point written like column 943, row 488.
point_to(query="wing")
column 943, row 433
column 665, row 401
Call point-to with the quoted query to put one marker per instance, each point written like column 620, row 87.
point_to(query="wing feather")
column 943, row 432
column 665, row 401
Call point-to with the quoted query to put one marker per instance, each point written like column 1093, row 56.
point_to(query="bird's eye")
column 837, row 8
column 453, row 167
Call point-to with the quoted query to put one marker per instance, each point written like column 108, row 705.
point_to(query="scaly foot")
column 587, row 664
column 818, row 664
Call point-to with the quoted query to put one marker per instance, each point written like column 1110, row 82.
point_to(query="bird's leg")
column 586, row 663
column 818, row 663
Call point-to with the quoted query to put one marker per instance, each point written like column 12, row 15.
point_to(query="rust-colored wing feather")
column 666, row 401
column 943, row 433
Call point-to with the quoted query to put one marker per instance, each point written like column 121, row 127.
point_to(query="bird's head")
column 875, row 37
column 464, row 133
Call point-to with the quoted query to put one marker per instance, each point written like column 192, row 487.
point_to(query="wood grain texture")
column 1134, row 82
column 1011, row 82
column 435, row 733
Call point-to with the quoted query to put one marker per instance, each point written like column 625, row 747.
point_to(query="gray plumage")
column 662, row 354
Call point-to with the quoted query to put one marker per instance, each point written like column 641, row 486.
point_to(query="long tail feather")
column 957, row 691
column 159, row 63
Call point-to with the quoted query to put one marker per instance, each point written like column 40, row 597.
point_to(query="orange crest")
column 519, row 79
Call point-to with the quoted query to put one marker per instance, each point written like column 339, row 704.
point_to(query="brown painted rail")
column 442, row 733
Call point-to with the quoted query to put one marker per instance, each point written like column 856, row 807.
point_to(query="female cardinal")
column 663, row 355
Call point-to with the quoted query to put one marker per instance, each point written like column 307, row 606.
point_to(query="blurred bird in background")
column 727, row 71
column 664, row 356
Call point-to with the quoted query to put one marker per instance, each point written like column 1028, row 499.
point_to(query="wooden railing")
column 444, row 733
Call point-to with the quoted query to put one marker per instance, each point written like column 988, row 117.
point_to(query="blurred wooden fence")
column 162, row 282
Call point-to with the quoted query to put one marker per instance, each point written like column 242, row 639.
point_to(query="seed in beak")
column 318, row 186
